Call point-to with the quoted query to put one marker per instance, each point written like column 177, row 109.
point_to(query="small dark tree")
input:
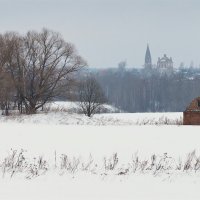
column 91, row 96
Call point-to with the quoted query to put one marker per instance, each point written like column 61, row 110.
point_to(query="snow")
column 70, row 106
column 66, row 113
column 60, row 133
column 62, row 188
column 66, row 118
column 100, row 141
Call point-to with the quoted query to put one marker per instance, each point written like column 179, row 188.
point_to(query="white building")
column 165, row 65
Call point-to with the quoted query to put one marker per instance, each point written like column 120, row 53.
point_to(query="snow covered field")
column 56, row 159
column 65, row 118
column 65, row 113
column 100, row 142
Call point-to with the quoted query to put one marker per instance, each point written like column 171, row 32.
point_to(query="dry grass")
column 16, row 163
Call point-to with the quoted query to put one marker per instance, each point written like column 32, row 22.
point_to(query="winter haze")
column 123, row 128
column 108, row 31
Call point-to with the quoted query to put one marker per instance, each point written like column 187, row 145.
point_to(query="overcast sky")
column 106, row 32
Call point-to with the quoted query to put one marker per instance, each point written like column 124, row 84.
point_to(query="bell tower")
column 148, row 63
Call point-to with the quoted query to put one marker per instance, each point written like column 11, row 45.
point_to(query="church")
column 148, row 62
column 164, row 64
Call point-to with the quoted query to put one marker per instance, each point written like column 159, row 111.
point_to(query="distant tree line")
column 136, row 91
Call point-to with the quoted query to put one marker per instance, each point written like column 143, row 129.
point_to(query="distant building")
column 191, row 116
column 165, row 65
column 148, row 62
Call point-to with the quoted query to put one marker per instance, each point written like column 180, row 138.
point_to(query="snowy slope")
column 66, row 113
column 98, row 119
column 71, row 106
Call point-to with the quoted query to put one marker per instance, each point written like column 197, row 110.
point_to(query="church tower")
column 148, row 63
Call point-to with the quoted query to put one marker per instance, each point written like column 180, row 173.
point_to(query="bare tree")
column 7, row 92
column 91, row 96
column 7, row 89
column 39, row 64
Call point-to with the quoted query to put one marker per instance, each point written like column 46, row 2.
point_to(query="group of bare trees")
column 38, row 67
column 34, row 68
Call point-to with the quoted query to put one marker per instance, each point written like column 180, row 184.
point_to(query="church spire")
column 148, row 63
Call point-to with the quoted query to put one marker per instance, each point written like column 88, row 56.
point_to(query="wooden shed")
column 191, row 116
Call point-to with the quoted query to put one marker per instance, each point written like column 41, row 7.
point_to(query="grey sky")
column 108, row 31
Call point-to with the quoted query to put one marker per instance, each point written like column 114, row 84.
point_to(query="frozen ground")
column 65, row 113
column 100, row 142
column 64, row 150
